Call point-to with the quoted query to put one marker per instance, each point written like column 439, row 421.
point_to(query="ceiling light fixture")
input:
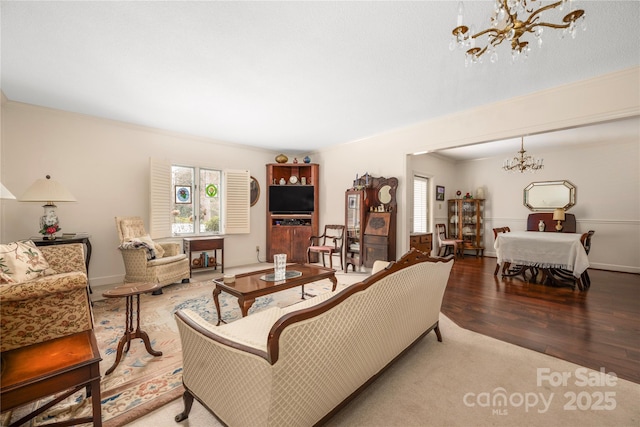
column 522, row 163
column 506, row 25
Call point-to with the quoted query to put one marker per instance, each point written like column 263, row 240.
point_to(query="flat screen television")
column 291, row 199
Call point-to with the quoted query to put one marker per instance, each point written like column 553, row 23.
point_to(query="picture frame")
column 183, row 194
column 439, row 192
column 254, row 191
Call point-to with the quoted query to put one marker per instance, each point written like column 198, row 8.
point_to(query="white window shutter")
column 237, row 202
column 160, row 198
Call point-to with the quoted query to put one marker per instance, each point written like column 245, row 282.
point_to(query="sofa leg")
column 438, row 334
column 187, row 280
column 188, row 402
column 157, row 292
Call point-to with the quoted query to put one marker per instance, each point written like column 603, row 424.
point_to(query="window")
column 197, row 200
column 420, row 206
column 192, row 200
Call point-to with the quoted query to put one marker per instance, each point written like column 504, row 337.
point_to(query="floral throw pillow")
column 21, row 262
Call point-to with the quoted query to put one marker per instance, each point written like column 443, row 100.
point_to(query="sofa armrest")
column 134, row 257
column 43, row 286
column 248, row 334
column 65, row 258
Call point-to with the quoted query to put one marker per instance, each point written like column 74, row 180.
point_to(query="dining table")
column 552, row 253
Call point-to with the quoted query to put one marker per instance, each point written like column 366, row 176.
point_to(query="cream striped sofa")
column 297, row 366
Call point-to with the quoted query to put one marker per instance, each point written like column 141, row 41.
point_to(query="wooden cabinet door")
column 300, row 243
column 280, row 241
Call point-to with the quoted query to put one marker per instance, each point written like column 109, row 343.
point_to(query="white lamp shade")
column 47, row 190
column 4, row 193
column 558, row 215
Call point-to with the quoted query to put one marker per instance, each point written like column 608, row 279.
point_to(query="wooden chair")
column 566, row 275
column 495, row 236
column 443, row 242
column 507, row 269
column 330, row 242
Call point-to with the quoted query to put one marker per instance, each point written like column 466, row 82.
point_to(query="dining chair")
column 330, row 242
column 495, row 236
column 585, row 281
column 443, row 242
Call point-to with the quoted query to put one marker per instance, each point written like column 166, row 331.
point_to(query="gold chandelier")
column 522, row 163
column 506, row 25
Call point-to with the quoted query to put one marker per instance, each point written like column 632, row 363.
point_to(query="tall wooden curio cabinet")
column 370, row 220
column 466, row 222
column 292, row 209
column 356, row 208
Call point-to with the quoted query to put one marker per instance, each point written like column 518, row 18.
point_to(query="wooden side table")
column 196, row 244
column 129, row 291
column 39, row 370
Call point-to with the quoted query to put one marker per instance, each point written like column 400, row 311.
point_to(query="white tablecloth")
column 542, row 249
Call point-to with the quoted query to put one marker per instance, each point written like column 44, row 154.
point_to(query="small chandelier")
column 506, row 25
column 522, row 163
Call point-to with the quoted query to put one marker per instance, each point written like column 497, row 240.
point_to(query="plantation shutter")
column 160, row 198
column 237, row 202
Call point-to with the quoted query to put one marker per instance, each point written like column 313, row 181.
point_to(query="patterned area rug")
column 141, row 382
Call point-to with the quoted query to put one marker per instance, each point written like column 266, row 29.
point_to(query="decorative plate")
column 293, row 179
column 211, row 190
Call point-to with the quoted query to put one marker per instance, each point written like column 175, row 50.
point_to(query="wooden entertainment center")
column 292, row 209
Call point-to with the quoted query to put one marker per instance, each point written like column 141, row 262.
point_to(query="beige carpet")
column 456, row 383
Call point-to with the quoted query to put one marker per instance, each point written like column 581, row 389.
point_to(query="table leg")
column 245, row 305
column 334, row 281
column 216, row 301
column 129, row 334
column 143, row 335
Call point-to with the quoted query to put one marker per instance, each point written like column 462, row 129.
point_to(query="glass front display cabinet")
column 466, row 222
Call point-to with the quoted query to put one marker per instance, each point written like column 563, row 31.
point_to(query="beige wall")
column 605, row 98
column 105, row 165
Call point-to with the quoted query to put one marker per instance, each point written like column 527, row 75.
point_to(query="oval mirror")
column 549, row 195
column 384, row 194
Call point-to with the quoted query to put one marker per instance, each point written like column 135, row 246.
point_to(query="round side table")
column 129, row 291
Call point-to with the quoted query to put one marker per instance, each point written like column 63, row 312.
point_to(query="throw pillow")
column 22, row 261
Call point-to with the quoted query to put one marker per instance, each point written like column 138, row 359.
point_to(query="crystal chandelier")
column 522, row 163
column 507, row 25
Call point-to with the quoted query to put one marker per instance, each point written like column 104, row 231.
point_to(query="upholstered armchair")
column 146, row 260
column 50, row 306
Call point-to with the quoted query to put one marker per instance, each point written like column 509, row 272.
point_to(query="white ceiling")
column 290, row 76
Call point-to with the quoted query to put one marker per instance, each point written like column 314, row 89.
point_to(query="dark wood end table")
column 39, row 370
column 129, row 291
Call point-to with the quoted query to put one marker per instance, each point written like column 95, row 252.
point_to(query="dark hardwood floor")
column 598, row 328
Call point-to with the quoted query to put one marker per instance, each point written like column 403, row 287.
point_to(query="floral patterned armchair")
column 47, row 307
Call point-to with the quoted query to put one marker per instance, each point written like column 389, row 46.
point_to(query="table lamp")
column 558, row 215
column 48, row 191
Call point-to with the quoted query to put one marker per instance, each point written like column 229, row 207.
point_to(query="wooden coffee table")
column 249, row 286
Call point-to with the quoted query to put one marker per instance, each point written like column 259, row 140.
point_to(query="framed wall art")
column 439, row 192
column 183, row 194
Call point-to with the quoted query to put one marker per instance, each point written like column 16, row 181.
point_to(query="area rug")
column 141, row 382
